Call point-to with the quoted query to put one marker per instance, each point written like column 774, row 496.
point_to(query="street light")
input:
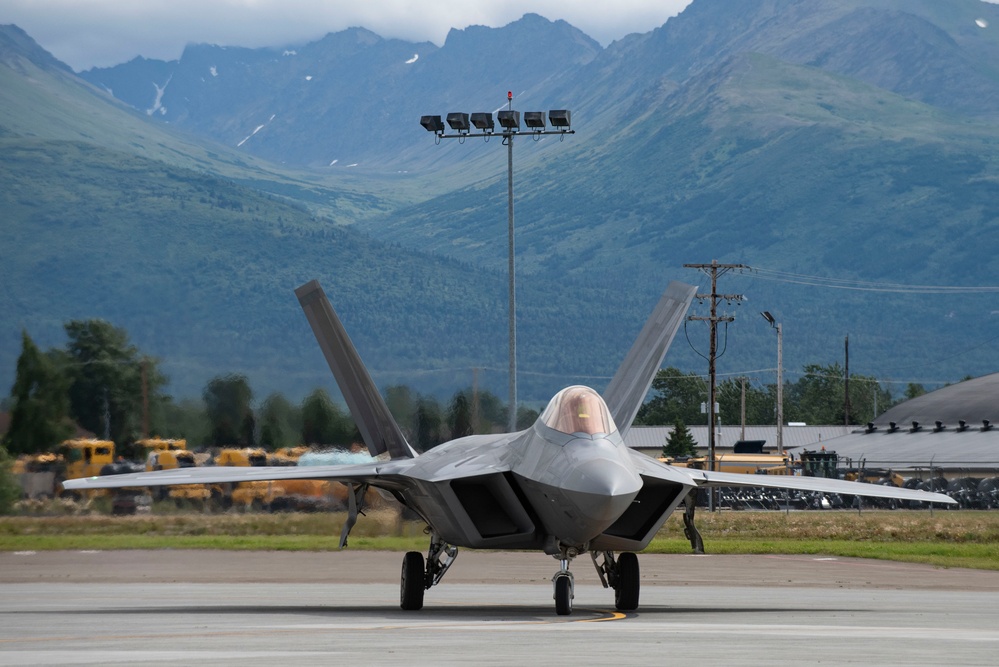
column 509, row 121
column 780, row 380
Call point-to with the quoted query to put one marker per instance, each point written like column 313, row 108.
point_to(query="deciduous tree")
column 39, row 418
column 677, row 395
column 324, row 423
column 227, row 402
column 280, row 423
column 109, row 377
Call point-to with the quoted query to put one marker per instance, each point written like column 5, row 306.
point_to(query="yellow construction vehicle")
column 882, row 476
column 85, row 458
column 246, row 495
column 90, row 458
column 770, row 464
column 168, row 459
column 147, row 445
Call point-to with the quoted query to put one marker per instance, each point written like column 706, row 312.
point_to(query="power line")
column 863, row 285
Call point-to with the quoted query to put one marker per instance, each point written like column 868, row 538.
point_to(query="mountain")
column 195, row 251
column 850, row 141
column 350, row 98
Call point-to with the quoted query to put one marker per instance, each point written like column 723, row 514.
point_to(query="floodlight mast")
column 780, row 379
column 509, row 121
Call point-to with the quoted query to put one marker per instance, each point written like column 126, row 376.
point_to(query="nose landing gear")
column 563, row 583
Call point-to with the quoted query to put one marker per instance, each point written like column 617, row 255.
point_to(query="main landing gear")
column 417, row 578
column 621, row 574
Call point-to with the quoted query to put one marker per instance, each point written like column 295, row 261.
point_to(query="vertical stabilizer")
column 627, row 389
column 380, row 432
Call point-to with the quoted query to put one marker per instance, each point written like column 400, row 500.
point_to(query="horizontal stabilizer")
column 629, row 386
column 378, row 428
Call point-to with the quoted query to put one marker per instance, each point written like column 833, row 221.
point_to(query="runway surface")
column 266, row 608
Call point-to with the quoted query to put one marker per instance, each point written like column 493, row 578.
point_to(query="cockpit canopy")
column 578, row 410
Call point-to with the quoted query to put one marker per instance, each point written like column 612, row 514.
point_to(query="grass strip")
column 946, row 539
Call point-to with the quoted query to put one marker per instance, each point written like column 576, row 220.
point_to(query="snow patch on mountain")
column 158, row 102
column 255, row 130
column 416, row 56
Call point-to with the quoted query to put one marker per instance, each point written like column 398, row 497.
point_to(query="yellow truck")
column 148, row 445
column 91, row 457
column 85, row 458
column 246, row 495
column 169, row 459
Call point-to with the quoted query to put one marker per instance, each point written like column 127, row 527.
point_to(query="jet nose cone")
column 602, row 490
column 604, row 478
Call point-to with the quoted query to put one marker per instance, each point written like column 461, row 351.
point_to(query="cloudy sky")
column 88, row 33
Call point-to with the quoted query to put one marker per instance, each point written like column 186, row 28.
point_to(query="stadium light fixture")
column 560, row 118
column 432, row 123
column 483, row 121
column 534, row 119
column 458, row 121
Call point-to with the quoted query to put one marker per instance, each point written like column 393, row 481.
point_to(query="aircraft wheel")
column 563, row 596
column 628, row 582
column 413, row 581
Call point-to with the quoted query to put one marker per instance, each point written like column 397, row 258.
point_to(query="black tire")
column 413, row 582
column 563, row 596
column 628, row 582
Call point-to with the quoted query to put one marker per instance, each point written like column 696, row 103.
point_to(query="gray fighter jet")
column 566, row 486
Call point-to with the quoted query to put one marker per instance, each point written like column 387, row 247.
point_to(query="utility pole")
column 846, row 391
column 145, row 397
column 780, row 379
column 714, row 270
column 475, row 399
column 743, row 408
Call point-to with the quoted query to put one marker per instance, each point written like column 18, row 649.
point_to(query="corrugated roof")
column 949, row 448
column 654, row 437
column 971, row 400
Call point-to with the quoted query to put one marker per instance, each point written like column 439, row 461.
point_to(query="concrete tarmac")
column 264, row 608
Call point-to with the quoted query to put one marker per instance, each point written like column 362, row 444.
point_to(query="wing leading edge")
column 629, row 386
column 707, row 478
column 382, row 474
column 377, row 426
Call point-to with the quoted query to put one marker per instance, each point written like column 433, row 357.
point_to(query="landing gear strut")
column 417, row 578
column 622, row 575
column 689, row 529
column 563, row 583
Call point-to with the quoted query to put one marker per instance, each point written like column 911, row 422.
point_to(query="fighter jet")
column 567, row 486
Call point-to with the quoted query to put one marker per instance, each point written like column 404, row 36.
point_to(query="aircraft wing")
column 630, row 384
column 380, row 474
column 821, row 484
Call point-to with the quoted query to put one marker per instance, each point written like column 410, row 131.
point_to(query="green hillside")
column 195, row 251
column 774, row 165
